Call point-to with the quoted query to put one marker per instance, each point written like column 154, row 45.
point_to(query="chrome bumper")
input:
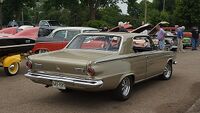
column 69, row 82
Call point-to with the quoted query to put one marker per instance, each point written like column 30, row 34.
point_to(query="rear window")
column 54, row 23
column 96, row 42
column 71, row 34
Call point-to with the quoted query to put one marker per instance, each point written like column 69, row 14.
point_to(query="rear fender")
column 7, row 61
column 128, row 75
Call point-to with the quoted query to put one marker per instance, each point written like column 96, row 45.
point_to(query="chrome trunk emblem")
column 58, row 68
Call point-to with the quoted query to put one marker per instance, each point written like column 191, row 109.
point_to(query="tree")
column 111, row 15
column 187, row 12
column 94, row 5
column 168, row 6
column 12, row 8
column 134, row 8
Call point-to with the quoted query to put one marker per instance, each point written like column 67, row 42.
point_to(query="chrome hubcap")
column 126, row 86
column 13, row 68
column 167, row 71
column 42, row 51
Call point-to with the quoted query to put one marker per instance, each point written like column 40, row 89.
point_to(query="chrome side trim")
column 16, row 45
column 76, row 81
column 147, row 78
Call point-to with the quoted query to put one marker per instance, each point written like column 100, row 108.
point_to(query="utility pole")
column 1, row 15
column 22, row 16
column 145, row 13
column 163, row 5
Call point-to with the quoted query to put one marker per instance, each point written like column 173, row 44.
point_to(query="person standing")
column 161, row 37
column 179, row 32
column 195, row 38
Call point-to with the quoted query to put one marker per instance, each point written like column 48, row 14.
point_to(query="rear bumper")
column 74, row 83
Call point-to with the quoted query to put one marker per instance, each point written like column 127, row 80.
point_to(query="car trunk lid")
column 70, row 62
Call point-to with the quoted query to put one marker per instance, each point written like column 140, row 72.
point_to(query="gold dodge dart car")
column 101, row 61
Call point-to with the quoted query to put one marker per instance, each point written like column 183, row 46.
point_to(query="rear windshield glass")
column 54, row 23
column 96, row 42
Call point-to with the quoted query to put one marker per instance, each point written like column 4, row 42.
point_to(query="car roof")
column 121, row 34
column 77, row 28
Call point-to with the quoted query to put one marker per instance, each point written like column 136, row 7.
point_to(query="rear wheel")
column 123, row 91
column 41, row 51
column 65, row 90
column 13, row 69
column 167, row 73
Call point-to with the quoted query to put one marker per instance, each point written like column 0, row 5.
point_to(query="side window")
column 142, row 44
column 71, row 34
column 59, row 34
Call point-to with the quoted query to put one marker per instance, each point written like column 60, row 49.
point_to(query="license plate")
column 58, row 84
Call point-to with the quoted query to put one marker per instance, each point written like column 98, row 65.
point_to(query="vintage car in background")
column 59, row 38
column 99, row 62
column 10, row 50
column 12, row 30
column 27, row 33
column 171, row 41
column 49, row 23
column 23, row 27
column 31, row 32
column 8, row 31
column 187, row 36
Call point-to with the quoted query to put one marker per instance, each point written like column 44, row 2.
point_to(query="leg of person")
column 196, row 44
column 193, row 44
column 162, row 45
column 181, row 45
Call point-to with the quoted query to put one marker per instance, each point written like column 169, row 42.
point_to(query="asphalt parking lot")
column 20, row 95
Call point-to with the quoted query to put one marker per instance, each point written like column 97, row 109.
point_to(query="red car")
column 59, row 38
column 32, row 32
column 27, row 33
column 9, row 30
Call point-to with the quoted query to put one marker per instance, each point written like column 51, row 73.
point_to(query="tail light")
column 29, row 64
column 90, row 70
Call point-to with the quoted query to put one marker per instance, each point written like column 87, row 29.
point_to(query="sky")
column 124, row 6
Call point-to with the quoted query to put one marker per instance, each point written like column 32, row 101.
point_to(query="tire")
column 13, row 69
column 41, row 51
column 123, row 91
column 167, row 73
column 65, row 90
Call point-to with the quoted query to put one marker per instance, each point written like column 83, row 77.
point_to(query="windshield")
column 96, row 42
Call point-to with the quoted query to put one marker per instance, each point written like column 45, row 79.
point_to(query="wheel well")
column 37, row 51
column 170, row 61
column 132, row 78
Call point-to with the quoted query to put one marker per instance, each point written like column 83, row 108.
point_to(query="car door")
column 143, row 46
column 139, row 65
column 155, row 60
column 138, row 60
column 155, row 63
